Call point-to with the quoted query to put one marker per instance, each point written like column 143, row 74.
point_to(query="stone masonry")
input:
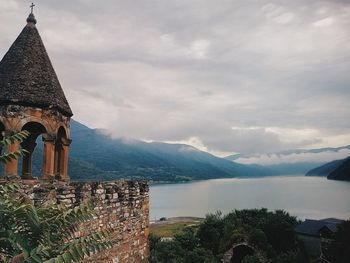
column 122, row 206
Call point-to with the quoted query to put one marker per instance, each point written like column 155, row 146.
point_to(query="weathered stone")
column 128, row 220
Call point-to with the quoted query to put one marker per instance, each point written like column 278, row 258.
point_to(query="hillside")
column 335, row 170
column 326, row 169
column 96, row 156
column 342, row 172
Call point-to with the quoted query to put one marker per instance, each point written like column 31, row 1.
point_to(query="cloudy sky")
column 225, row 76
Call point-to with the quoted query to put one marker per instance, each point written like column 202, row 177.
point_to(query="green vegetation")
column 45, row 233
column 270, row 233
column 171, row 229
column 184, row 248
column 7, row 141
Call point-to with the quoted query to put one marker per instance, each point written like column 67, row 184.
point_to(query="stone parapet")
column 121, row 206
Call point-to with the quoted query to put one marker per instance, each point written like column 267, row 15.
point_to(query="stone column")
column 49, row 157
column 27, row 159
column 64, row 159
column 11, row 168
column 57, row 158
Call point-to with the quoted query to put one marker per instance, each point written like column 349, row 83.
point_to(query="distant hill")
column 96, row 156
column 342, row 172
column 292, row 161
column 335, row 170
column 326, row 169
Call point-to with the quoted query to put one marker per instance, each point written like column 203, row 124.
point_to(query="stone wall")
column 121, row 205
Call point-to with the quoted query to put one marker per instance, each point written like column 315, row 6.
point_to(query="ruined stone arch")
column 240, row 250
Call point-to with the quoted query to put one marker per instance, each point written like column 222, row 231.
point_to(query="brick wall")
column 121, row 205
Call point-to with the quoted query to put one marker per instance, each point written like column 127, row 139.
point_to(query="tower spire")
column 31, row 8
column 31, row 17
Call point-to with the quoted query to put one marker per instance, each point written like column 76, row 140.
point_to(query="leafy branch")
column 6, row 142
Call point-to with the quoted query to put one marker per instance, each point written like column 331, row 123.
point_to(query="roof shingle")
column 27, row 76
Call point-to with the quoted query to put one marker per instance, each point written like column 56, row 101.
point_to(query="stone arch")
column 240, row 251
column 35, row 129
column 24, row 122
column 63, row 129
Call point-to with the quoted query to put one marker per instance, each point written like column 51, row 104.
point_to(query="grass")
column 171, row 229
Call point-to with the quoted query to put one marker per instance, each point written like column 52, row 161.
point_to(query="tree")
column 210, row 232
column 183, row 248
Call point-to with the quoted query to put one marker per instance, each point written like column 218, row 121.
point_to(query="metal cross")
column 31, row 8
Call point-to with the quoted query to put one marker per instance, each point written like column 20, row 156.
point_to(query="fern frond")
column 18, row 137
column 80, row 248
column 8, row 157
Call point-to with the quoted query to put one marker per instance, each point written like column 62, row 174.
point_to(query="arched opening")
column 30, row 144
column 60, row 153
column 2, row 134
column 240, row 252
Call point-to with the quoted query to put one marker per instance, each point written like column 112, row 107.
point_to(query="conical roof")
column 27, row 76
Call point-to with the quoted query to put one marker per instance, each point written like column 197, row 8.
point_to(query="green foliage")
column 211, row 231
column 187, row 239
column 44, row 234
column 7, row 141
column 185, row 248
column 273, row 232
column 250, row 259
column 269, row 232
column 171, row 229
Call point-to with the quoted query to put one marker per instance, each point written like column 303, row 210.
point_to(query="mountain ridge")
column 95, row 152
column 95, row 155
column 298, row 161
column 335, row 170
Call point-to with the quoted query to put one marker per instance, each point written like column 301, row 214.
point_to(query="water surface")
column 305, row 197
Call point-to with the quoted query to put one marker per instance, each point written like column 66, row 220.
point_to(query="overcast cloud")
column 225, row 76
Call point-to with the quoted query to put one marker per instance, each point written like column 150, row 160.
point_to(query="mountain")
column 335, row 170
column 292, row 161
column 342, row 172
column 94, row 155
column 326, row 169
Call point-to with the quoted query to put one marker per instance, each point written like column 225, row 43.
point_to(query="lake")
column 305, row 197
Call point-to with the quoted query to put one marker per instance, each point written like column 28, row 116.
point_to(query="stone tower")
column 31, row 98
